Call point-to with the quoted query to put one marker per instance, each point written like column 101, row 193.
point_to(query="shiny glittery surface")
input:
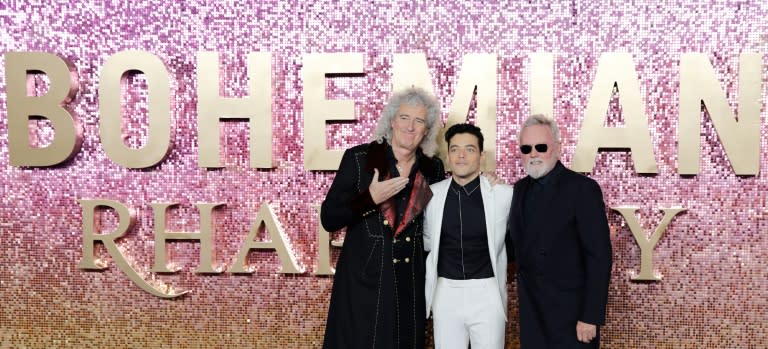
column 714, row 291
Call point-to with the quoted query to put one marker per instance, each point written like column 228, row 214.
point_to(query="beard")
column 537, row 168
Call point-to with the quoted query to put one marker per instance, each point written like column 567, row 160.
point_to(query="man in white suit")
column 464, row 230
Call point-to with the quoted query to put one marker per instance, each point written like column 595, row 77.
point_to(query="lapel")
column 490, row 219
column 521, row 187
column 417, row 201
column 526, row 226
column 441, row 193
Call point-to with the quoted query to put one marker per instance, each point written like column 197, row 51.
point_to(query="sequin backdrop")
column 714, row 293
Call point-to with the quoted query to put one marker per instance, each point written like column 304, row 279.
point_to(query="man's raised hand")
column 383, row 190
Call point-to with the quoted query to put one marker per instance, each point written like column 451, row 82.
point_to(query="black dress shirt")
column 535, row 190
column 463, row 238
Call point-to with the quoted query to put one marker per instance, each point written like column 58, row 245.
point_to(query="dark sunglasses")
column 526, row 148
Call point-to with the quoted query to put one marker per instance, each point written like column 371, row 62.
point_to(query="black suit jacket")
column 563, row 256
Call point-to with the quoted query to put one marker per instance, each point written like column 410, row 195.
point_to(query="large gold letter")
column 324, row 244
column 126, row 220
column 22, row 106
column 740, row 138
column 256, row 108
column 205, row 236
column 615, row 70
column 541, row 84
column 478, row 73
column 317, row 109
column 159, row 109
column 646, row 244
column 409, row 70
column 279, row 243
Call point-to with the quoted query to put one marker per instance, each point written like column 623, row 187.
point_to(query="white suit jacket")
column 496, row 203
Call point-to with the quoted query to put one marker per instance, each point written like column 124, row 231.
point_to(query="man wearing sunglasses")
column 560, row 241
column 464, row 232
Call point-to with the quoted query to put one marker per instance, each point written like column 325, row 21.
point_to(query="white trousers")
column 467, row 311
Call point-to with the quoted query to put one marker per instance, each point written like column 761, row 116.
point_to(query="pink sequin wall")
column 714, row 291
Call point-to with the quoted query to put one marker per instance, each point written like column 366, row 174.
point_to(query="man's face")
column 464, row 157
column 409, row 126
column 536, row 163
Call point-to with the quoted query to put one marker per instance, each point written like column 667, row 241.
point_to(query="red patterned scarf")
column 420, row 195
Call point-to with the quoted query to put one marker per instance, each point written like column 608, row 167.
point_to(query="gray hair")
column 541, row 119
column 417, row 97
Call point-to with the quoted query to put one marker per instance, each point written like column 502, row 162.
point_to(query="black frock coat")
column 370, row 288
column 563, row 256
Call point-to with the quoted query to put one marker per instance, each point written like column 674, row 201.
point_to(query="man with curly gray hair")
column 413, row 97
column 379, row 195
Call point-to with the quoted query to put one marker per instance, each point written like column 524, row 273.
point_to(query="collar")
column 378, row 158
column 469, row 188
column 551, row 176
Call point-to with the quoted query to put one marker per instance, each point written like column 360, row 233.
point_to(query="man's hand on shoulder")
column 492, row 178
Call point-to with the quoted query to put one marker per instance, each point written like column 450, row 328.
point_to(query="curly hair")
column 416, row 97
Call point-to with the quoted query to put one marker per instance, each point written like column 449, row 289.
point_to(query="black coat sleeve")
column 594, row 235
column 348, row 200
